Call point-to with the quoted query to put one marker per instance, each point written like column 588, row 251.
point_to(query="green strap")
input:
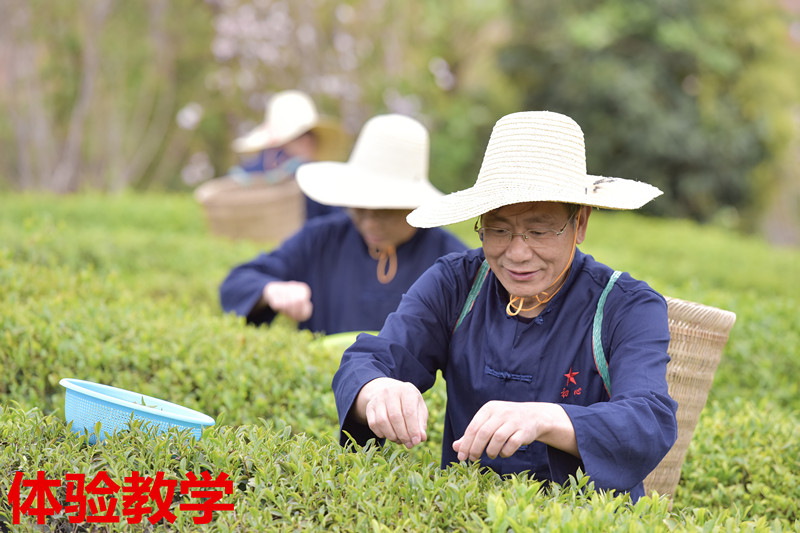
column 597, row 343
column 473, row 292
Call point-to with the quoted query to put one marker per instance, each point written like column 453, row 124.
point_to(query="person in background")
column 292, row 133
column 534, row 381
column 347, row 271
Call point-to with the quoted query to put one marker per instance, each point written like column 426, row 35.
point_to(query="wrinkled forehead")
column 528, row 212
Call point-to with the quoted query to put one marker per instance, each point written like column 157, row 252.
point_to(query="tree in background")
column 425, row 58
column 694, row 97
column 92, row 89
column 107, row 94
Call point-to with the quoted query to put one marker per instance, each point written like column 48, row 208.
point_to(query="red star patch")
column 571, row 376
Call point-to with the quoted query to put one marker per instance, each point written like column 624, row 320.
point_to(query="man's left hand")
column 500, row 428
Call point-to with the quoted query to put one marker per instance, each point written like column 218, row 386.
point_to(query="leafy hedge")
column 122, row 290
column 288, row 481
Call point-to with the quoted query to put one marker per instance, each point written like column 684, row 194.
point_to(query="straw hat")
column 289, row 115
column 533, row 156
column 388, row 168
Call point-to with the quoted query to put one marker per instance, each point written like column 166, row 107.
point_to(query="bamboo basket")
column 259, row 211
column 698, row 333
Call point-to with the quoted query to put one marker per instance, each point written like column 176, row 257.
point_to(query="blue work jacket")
column 493, row 356
column 330, row 256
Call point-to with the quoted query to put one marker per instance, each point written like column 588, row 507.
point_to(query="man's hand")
column 292, row 298
column 393, row 410
column 500, row 428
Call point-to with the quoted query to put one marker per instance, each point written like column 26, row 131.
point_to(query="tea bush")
column 284, row 481
column 122, row 290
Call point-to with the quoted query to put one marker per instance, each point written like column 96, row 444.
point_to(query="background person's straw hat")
column 533, row 156
column 388, row 168
column 289, row 115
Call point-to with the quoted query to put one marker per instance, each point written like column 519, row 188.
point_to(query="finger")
column 464, row 444
column 304, row 290
column 273, row 293
column 306, row 311
column 378, row 420
column 301, row 302
column 512, row 445
column 294, row 309
column 297, row 307
column 480, row 440
column 397, row 419
column 422, row 419
column 283, row 304
column 414, row 415
column 466, row 440
column 498, row 441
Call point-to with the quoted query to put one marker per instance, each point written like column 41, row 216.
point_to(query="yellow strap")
column 387, row 262
column 513, row 309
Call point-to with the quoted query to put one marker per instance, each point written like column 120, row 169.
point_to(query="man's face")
column 382, row 227
column 526, row 268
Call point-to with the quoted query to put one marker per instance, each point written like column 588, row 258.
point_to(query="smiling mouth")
column 522, row 276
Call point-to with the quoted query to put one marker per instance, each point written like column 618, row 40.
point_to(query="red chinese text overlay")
column 96, row 501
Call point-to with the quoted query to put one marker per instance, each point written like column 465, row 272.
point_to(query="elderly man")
column 348, row 271
column 531, row 384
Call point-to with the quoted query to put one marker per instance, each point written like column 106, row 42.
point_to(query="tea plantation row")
column 122, row 290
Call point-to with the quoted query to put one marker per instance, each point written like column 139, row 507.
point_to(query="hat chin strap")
column 516, row 303
column 387, row 262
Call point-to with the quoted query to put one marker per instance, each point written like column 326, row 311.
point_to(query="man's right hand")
column 292, row 298
column 393, row 410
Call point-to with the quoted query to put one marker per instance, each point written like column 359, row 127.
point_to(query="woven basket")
column 260, row 211
column 698, row 335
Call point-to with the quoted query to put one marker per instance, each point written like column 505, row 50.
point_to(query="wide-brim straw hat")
column 388, row 168
column 289, row 115
column 533, row 156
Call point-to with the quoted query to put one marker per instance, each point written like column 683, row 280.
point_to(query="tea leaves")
column 122, row 291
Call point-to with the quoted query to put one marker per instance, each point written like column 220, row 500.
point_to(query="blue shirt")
column 315, row 209
column 330, row 256
column 492, row 356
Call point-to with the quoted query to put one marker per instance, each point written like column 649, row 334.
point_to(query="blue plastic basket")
column 87, row 403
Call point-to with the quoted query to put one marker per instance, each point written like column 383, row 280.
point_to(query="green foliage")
column 672, row 93
column 427, row 59
column 122, row 290
column 287, row 481
column 695, row 97
column 745, row 453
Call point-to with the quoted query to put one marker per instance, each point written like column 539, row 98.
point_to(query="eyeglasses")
column 501, row 238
